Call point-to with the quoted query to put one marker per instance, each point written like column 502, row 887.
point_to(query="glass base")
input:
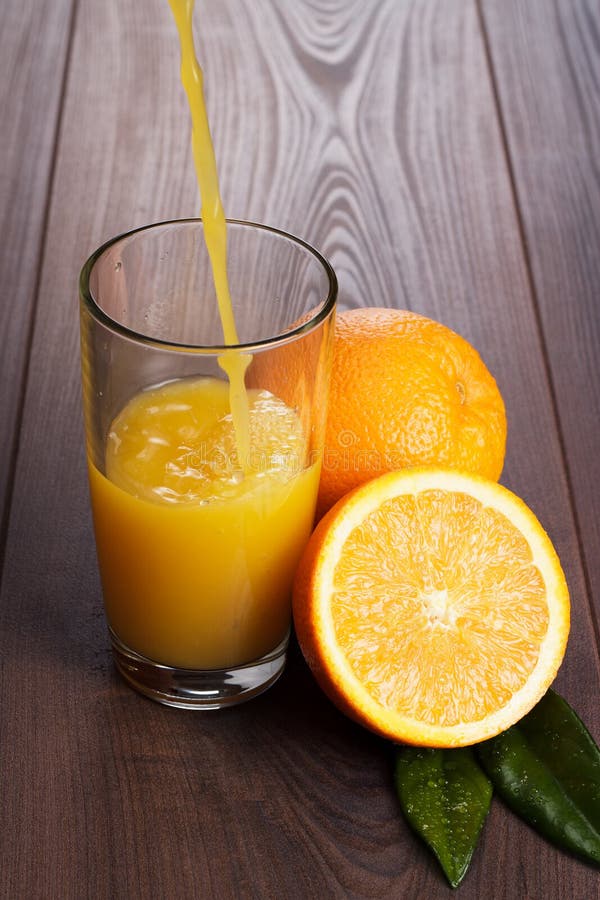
column 198, row 689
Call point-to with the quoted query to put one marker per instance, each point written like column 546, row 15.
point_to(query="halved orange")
column 432, row 607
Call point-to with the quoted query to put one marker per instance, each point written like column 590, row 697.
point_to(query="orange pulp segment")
column 432, row 607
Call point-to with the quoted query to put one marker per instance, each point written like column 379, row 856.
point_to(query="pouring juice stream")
column 213, row 218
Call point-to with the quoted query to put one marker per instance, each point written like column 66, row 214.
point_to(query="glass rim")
column 114, row 325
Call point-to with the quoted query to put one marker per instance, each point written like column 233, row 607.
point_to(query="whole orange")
column 406, row 391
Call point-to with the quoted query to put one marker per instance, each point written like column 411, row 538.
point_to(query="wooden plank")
column 546, row 59
column 33, row 50
column 370, row 130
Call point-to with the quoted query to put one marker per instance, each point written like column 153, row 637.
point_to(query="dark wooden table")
column 445, row 154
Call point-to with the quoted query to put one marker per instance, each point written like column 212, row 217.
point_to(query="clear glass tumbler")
column 200, row 516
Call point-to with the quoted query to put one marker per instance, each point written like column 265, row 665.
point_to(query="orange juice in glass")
column 198, row 533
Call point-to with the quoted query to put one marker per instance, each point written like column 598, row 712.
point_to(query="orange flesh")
column 448, row 585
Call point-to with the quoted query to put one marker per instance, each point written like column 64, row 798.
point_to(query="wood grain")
column 549, row 89
column 34, row 40
column 370, row 129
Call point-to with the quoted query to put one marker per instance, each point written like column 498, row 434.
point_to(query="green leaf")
column 547, row 769
column 445, row 796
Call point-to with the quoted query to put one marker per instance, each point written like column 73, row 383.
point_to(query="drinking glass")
column 197, row 554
